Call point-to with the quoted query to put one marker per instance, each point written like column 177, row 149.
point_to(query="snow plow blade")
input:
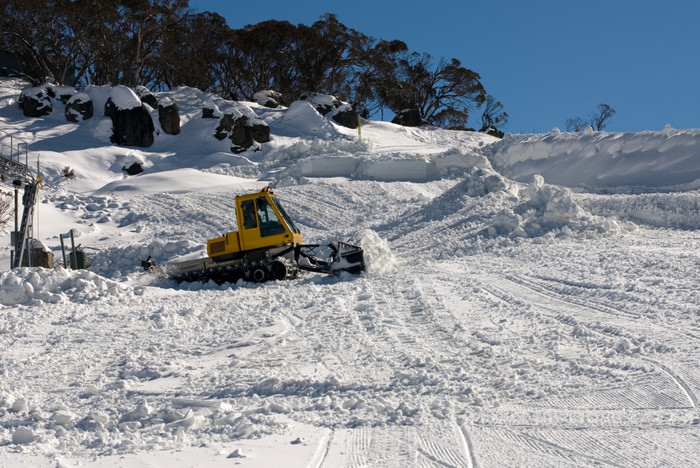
column 341, row 257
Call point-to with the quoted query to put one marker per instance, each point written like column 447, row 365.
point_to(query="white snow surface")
column 527, row 302
column 124, row 98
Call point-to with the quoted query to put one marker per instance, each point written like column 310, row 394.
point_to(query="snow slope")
column 502, row 320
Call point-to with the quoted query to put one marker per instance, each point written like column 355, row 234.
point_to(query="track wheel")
column 278, row 270
column 259, row 274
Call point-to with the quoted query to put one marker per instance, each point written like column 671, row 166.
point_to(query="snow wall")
column 596, row 160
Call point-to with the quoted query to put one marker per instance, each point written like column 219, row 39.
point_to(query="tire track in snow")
column 324, row 447
column 541, row 289
column 593, row 305
column 669, row 338
column 445, row 453
column 512, row 286
column 648, row 391
column 570, row 455
column 467, row 446
column 692, row 398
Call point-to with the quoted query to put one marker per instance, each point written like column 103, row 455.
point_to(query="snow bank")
column 668, row 210
column 542, row 209
column 355, row 160
column 27, row 285
column 301, row 119
column 600, row 159
column 485, row 210
column 178, row 181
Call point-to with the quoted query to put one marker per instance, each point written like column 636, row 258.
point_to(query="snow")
column 124, row 98
column 601, row 159
column 527, row 302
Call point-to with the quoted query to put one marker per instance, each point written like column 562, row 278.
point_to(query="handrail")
column 11, row 157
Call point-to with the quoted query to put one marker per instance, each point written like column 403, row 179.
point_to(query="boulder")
column 133, row 168
column 169, row 116
column 62, row 93
column 260, row 131
column 408, row 118
column 225, row 126
column 323, row 103
column 79, row 107
column 131, row 122
column 147, row 96
column 341, row 112
column 35, row 102
column 492, row 131
column 268, row 98
column 242, row 126
column 210, row 110
column 345, row 115
column 240, row 135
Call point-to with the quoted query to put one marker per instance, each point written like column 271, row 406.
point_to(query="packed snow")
column 530, row 301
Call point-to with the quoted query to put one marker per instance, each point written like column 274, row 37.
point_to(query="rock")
column 242, row 126
column 260, row 132
column 341, row 112
column 79, row 107
column 345, row 115
column 225, row 126
column 133, row 169
column 147, row 96
column 210, row 110
column 408, row 118
column 131, row 122
column 35, row 102
column 241, row 136
column 323, row 103
column 268, row 98
column 492, row 131
column 62, row 93
column 169, row 116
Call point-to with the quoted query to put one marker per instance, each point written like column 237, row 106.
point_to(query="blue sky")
column 546, row 61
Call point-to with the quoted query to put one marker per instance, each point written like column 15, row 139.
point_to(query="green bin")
column 77, row 260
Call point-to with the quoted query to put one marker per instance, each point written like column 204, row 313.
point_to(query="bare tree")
column 493, row 115
column 597, row 120
column 577, row 124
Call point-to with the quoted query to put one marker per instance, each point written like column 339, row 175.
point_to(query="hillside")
column 502, row 320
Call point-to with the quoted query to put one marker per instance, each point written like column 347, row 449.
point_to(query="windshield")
column 286, row 217
column 270, row 225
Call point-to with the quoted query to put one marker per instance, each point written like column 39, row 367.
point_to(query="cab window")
column 249, row 220
column 269, row 222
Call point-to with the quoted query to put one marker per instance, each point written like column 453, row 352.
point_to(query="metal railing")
column 14, row 164
column 14, row 157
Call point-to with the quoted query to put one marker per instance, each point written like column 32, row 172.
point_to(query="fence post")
column 63, row 252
